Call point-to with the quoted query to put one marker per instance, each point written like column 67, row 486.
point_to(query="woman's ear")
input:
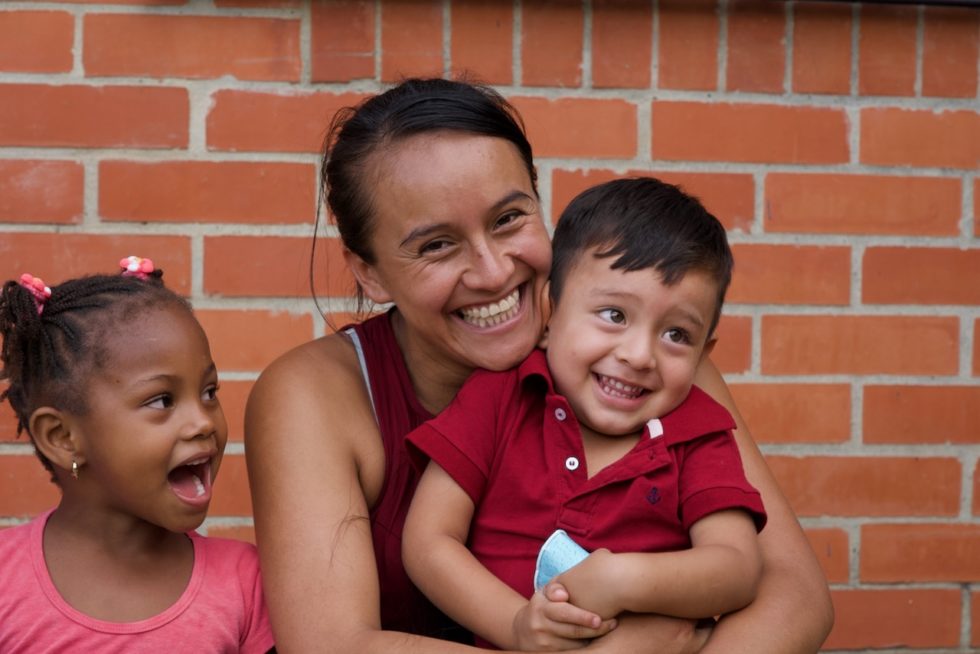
column 367, row 277
column 53, row 437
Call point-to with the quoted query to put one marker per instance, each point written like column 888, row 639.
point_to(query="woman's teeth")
column 494, row 313
column 617, row 388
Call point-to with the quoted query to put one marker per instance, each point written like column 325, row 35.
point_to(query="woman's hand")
column 652, row 634
column 549, row 623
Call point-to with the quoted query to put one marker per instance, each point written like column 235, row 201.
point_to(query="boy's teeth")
column 618, row 388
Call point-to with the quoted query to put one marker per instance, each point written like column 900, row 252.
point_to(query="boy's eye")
column 678, row 335
column 614, row 316
column 162, row 401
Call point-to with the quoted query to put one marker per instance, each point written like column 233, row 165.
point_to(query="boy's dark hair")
column 48, row 356
column 413, row 107
column 646, row 223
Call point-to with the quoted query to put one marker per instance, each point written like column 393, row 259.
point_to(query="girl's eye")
column 614, row 316
column 678, row 335
column 163, row 401
column 211, row 393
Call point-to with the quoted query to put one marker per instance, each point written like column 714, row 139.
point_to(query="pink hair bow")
column 136, row 267
column 37, row 288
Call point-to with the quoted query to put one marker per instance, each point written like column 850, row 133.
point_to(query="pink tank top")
column 398, row 411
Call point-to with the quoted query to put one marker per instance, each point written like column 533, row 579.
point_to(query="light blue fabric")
column 558, row 554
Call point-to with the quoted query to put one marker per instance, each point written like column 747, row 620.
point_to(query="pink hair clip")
column 37, row 288
column 136, row 267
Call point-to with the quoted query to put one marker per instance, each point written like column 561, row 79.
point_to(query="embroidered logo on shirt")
column 654, row 495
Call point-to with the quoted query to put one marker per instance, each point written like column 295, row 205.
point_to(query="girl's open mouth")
column 191, row 481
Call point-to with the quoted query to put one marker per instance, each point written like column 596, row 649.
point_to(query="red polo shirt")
column 512, row 443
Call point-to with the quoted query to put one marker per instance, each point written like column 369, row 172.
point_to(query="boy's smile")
column 623, row 347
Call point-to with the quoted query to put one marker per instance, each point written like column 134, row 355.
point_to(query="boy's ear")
column 547, row 308
column 708, row 347
column 367, row 277
column 53, row 437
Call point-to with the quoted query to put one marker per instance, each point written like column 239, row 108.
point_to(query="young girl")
column 112, row 378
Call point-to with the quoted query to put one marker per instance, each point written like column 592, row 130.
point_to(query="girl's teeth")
column 199, row 487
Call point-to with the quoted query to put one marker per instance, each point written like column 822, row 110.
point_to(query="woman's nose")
column 490, row 268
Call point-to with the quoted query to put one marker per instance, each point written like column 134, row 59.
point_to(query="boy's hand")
column 592, row 584
column 549, row 623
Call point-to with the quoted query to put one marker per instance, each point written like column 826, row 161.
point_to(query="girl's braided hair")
column 50, row 349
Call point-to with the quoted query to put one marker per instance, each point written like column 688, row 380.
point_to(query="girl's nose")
column 201, row 422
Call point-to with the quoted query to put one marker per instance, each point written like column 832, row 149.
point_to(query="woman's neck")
column 435, row 379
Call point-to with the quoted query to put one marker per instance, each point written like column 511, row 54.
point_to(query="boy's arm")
column 435, row 557
column 718, row 574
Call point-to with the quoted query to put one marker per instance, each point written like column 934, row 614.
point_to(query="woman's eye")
column 678, row 335
column 433, row 247
column 507, row 219
column 614, row 316
column 164, row 401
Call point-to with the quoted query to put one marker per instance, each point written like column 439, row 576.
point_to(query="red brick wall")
column 839, row 143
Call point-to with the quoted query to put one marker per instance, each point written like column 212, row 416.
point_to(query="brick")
column 881, row 619
column 482, row 40
column 73, row 255
column 250, row 121
column 250, row 340
column 790, row 274
column 688, row 45
column 8, row 423
column 976, row 347
column 36, row 41
column 886, row 47
column 93, row 116
column 748, row 132
column 976, row 489
column 975, row 618
column 897, row 137
column 41, row 191
column 342, row 40
column 976, row 206
column 622, row 44
column 869, row 486
column 831, row 548
column 233, row 395
column 733, row 353
column 231, row 495
column 278, row 266
column 950, row 51
column 821, row 48
column 921, row 414
column 756, row 46
column 729, row 196
column 920, row 552
column 25, row 486
column 567, row 127
column 235, row 532
column 207, row 191
column 551, row 43
column 796, row 413
column 252, row 4
column 411, row 40
column 195, row 47
column 860, row 345
column 829, row 203
column 908, row 275
column 144, row 3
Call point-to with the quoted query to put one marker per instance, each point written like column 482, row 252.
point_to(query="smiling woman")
column 432, row 184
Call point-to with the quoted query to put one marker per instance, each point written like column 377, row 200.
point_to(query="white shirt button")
column 571, row 463
column 560, row 414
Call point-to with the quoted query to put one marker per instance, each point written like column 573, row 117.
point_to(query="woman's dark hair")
column 415, row 106
column 49, row 355
column 644, row 223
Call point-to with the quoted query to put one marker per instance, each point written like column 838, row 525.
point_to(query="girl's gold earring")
column 74, row 469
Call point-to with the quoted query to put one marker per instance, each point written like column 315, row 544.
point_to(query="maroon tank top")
column 398, row 411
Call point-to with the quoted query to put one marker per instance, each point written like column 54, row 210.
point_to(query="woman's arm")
column 717, row 574
column 312, row 448
column 792, row 611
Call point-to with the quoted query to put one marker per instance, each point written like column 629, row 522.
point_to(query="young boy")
column 603, row 436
